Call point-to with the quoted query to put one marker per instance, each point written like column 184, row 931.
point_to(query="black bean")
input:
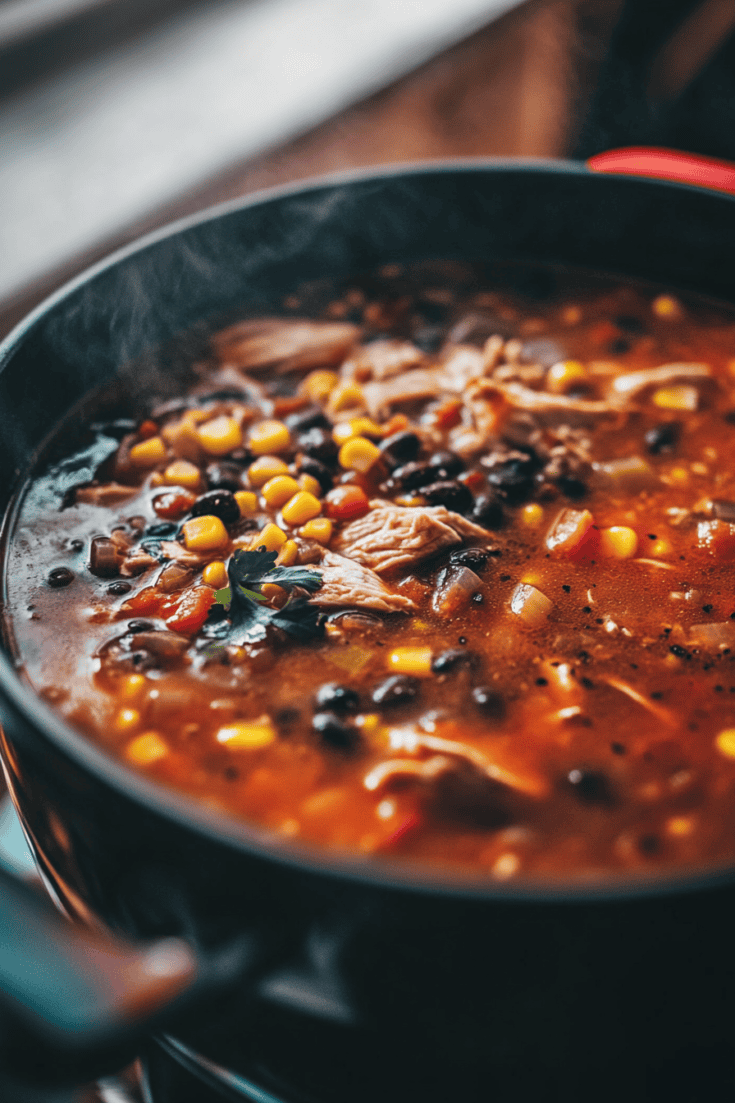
column 489, row 702
column 590, row 786
column 400, row 689
column 488, row 510
column 474, row 558
column 224, row 476
column 449, row 493
column 338, row 698
column 218, row 503
column 119, row 588
column 162, row 530
column 413, row 475
column 572, row 488
column 513, row 478
column 334, row 730
column 663, row 438
column 60, row 576
column 309, row 466
column 76, row 545
column 401, row 448
column 447, row 464
column 455, row 657
column 311, row 417
column 319, row 444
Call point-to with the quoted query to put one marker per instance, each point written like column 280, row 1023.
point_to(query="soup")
column 438, row 565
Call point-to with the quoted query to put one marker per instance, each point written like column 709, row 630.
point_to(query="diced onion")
column 530, row 605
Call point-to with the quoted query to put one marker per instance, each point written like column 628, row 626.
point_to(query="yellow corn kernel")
column 318, row 385
column 301, row 508
column 146, row 748
column 619, row 541
column 194, row 417
column 725, row 742
column 269, row 436
column 271, row 590
column 247, row 735
column 205, row 533
column 288, row 554
column 319, row 529
column 679, row 825
column 310, row 484
column 247, row 501
column 411, row 660
column 271, row 538
column 563, row 376
column 215, row 575
column 356, row 427
column 265, row 468
column 132, row 687
column 660, row 548
column 678, row 476
column 665, row 306
column 148, row 453
column 126, row 720
column 182, row 473
column 277, row 491
column 682, row 397
column 358, row 454
column 532, row 514
column 220, row 435
column 345, row 396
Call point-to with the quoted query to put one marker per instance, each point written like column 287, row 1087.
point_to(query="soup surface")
column 435, row 565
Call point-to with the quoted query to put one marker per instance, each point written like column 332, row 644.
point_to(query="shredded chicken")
column 462, row 366
column 108, row 494
column 382, row 359
column 172, row 550
column 391, row 536
column 137, row 563
column 292, row 344
column 632, row 383
column 347, row 583
column 525, row 398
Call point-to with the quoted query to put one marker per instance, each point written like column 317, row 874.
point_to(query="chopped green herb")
column 248, row 618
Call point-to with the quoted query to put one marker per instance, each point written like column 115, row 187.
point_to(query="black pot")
column 356, row 979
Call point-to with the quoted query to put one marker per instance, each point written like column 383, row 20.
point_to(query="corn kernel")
column 247, row 501
column 288, row 554
column 311, row 485
column 563, row 376
column 358, row 454
column 247, row 735
column 301, row 508
column 204, row 533
column 269, row 436
column 660, row 548
column 148, row 453
column 146, row 749
column 619, row 541
column 126, row 720
column 272, row 590
column 271, row 538
column 357, row 426
column 345, row 396
column 678, row 476
column 665, row 306
column 319, row 529
column 532, row 514
column 318, row 385
column 215, row 575
column 411, row 660
column 265, row 468
column 182, row 473
column 683, row 397
column 220, row 435
column 725, row 742
column 679, row 825
column 132, row 687
column 277, row 491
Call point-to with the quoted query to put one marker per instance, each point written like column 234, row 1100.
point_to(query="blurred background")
column 118, row 115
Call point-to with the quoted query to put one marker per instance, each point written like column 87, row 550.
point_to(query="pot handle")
column 667, row 164
column 75, row 1002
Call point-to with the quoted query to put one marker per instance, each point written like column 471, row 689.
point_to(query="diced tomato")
column 396, row 424
column 147, row 429
column 187, row 612
column 148, row 600
column 718, row 537
column 173, row 503
column 345, row 503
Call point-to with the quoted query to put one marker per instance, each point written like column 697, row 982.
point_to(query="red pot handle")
column 667, row 164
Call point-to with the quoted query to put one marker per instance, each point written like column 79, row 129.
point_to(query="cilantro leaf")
column 251, row 568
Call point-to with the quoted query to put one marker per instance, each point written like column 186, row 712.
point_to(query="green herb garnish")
column 248, row 618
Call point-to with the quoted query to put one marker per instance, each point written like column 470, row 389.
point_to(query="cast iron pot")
column 349, row 979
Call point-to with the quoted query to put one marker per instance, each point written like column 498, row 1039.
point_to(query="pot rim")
column 249, row 838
